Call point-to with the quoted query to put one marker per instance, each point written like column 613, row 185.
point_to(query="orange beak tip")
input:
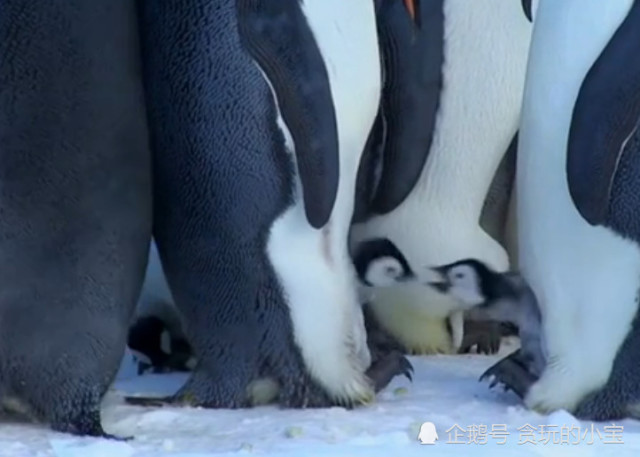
column 410, row 5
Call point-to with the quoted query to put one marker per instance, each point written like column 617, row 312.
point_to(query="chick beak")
column 442, row 285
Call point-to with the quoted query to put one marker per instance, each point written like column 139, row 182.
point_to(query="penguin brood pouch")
column 255, row 158
column 75, row 204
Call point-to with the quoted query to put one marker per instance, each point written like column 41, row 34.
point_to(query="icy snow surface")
column 445, row 391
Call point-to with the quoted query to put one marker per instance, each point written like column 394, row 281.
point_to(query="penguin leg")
column 511, row 372
column 87, row 424
column 620, row 397
column 384, row 369
column 298, row 389
column 379, row 340
column 485, row 335
column 282, row 361
column 302, row 391
column 387, row 354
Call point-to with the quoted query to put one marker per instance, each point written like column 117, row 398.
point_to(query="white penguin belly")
column 586, row 278
column 314, row 266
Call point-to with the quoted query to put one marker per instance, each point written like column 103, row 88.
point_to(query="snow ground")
column 445, row 391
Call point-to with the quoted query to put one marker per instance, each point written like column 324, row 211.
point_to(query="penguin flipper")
column 413, row 55
column 606, row 115
column 275, row 36
column 526, row 7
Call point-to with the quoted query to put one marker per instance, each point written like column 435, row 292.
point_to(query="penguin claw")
column 511, row 374
column 407, row 368
column 387, row 367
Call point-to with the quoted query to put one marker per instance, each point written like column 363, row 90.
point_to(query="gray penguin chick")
column 503, row 297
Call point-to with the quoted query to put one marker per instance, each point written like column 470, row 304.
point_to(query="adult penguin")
column 257, row 142
column 578, row 178
column 75, row 204
column 450, row 111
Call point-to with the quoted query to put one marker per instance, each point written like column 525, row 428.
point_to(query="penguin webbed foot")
column 87, row 424
column 385, row 368
column 305, row 394
column 512, row 373
column 486, row 336
column 298, row 390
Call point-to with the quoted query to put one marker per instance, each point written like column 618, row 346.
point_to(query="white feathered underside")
column 314, row 266
column 586, row 277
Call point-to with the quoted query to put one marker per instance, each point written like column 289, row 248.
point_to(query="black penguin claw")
column 407, row 368
column 511, row 374
column 383, row 370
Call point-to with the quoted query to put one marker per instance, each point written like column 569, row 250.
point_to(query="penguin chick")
column 501, row 297
column 379, row 263
column 156, row 348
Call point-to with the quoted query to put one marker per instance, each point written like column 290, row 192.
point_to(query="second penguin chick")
column 502, row 297
column 379, row 263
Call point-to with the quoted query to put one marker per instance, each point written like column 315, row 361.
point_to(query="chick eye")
column 459, row 275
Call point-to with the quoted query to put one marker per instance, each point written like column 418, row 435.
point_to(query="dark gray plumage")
column 223, row 176
column 75, row 203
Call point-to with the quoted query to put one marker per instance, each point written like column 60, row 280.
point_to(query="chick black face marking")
column 379, row 263
column 468, row 280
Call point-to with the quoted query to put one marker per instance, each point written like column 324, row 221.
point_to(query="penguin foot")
column 383, row 370
column 181, row 399
column 149, row 402
column 512, row 374
column 486, row 336
column 195, row 394
column 87, row 424
column 302, row 393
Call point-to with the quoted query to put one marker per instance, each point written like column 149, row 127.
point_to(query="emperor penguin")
column 463, row 74
column 578, row 177
column 75, row 204
column 259, row 113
